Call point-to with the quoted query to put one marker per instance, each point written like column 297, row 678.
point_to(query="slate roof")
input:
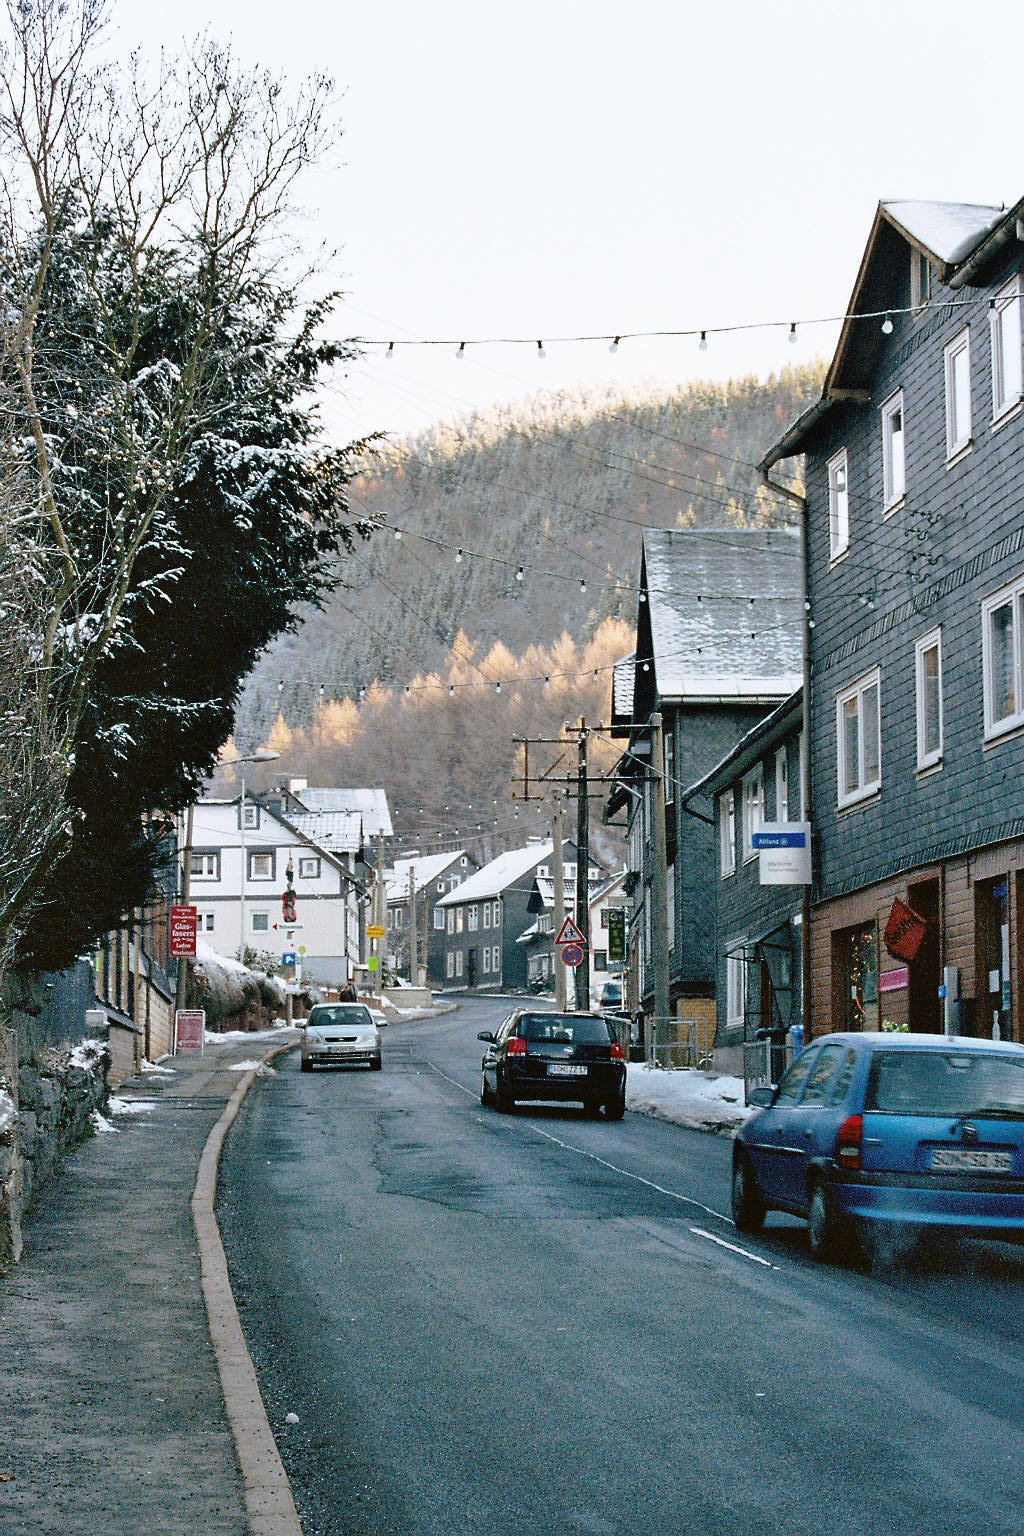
column 336, row 831
column 499, row 874
column 427, row 867
column 371, row 805
column 623, row 675
column 726, row 607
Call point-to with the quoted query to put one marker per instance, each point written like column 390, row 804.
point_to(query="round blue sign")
column 572, row 954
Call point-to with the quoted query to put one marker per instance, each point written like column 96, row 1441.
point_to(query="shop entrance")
column 924, row 1008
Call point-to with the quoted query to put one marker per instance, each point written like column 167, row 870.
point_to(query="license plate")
column 565, row 1069
column 970, row 1160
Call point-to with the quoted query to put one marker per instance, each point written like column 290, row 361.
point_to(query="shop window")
column 992, row 915
column 855, row 962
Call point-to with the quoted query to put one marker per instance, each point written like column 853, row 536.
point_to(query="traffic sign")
column 570, row 934
column 572, row 954
column 288, row 958
column 375, row 930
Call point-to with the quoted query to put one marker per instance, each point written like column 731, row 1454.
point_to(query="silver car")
column 340, row 1035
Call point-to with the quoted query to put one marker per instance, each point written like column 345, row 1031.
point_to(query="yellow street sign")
column 375, row 930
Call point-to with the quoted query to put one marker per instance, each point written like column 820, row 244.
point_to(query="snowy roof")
column 499, row 874
column 949, row 231
column 371, row 804
column 427, row 867
column 335, row 831
column 725, row 611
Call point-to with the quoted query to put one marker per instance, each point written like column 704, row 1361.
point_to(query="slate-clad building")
column 915, row 548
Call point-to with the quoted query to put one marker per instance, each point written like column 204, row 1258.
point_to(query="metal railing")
column 764, row 1063
column 675, row 1044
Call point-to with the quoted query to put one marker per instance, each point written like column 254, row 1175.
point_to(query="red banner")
column 183, row 932
column 904, row 932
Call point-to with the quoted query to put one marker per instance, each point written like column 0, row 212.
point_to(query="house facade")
column 915, row 597
column 432, row 876
column 718, row 647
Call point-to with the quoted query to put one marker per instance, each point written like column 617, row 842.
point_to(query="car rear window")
column 332, row 1016
column 567, row 1028
column 945, row 1083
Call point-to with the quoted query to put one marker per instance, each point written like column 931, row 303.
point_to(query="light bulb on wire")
column 541, row 354
column 703, row 343
column 615, row 345
column 792, row 333
column 887, row 326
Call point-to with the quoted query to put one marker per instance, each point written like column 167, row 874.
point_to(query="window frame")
column 782, row 784
column 957, row 444
column 1013, row 597
column 865, row 789
column 727, row 833
column 753, row 795
column 893, row 496
column 252, row 854
column 439, row 919
column 838, row 527
column 927, row 757
column 212, row 854
column 259, row 922
column 306, row 859
column 1007, row 301
column 668, row 752
column 735, row 991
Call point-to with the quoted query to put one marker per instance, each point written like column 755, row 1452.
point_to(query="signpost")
column 569, row 933
column 183, row 932
column 784, row 852
column 189, row 1029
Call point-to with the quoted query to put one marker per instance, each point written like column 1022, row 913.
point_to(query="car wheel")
column 486, row 1097
column 304, row 1066
column 615, row 1108
column 504, row 1100
column 827, row 1233
column 748, row 1209
column 376, row 1064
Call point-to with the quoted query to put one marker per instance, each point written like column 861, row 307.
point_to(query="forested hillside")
column 499, row 538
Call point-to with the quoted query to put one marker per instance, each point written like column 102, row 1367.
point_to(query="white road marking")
column 744, row 1253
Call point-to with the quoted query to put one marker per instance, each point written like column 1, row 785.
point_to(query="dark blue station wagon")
column 898, row 1131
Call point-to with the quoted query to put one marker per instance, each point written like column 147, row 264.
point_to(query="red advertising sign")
column 189, row 1029
column 183, row 932
column 904, row 932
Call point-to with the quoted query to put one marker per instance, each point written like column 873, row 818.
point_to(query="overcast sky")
column 554, row 168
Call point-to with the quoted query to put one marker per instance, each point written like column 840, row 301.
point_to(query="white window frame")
column 309, row 866
column 451, row 919
column 958, row 394
column 928, row 756
column 1007, row 366
column 894, row 465
column 473, row 918
column 439, row 920
column 782, row 784
column 838, row 504
column 449, row 964
column 1013, row 598
column 727, row 832
column 204, row 922
column 735, row 988
column 260, row 922
column 458, row 962
column 920, row 279
column 209, row 859
column 669, row 765
column 753, row 810
column 253, row 855
column 865, row 787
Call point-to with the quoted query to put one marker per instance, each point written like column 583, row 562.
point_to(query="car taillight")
column 516, row 1046
column 616, row 1052
column 848, row 1142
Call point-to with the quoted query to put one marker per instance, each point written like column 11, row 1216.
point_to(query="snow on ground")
column 118, row 1106
column 232, row 1036
column 701, row 1101
column 87, row 1054
column 156, row 1068
column 259, row 1067
column 101, row 1124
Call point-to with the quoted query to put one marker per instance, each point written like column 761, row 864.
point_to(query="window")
column 496, row 959
column 438, row 920
column 958, row 394
column 894, row 460
column 782, row 785
column 793, row 1079
column 734, row 979
column 459, row 919
column 820, row 1075
column 920, row 280
column 928, row 671
column 309, row 867
column 1001, row 640
column 485, row 960
column 855, row 961
column 600, row 960
column 727, row 832
column 458, row 962
column 204, row 922
column 669, row 743
column 261, row 864
column 451, row 919
column 838, row 506
column 251, row 815
column 858, row 744
column 753, row 809
column 260, row 922
column 449, row 964
column 1004, row 318
column 205, row 864
column 473, row 918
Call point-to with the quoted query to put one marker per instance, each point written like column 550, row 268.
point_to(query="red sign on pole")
column 572, row 955
column 569, row 933
column 189, row 1029
column 183, row 932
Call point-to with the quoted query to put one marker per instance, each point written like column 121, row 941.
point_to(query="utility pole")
column 379, row 911
column 559, row 913
column 414, row 974
column 583, row 870
column 659, row 875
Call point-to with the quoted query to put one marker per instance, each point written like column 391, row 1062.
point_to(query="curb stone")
column 269, row 1505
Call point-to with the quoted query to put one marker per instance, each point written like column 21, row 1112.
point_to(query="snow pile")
column 259, row 1067
column 249, row 1035
column 225, row 988
column 130, row 1106
column 87, row 1054
column 701, row 1101
column 8, row 1111
column 101, row 1124
column 155, row 1069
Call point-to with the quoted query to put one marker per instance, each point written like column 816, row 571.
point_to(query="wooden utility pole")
column 414, row 977
column 659, row 880
column 559, row 909
column 583, row 870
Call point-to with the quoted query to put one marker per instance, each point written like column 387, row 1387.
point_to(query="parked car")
column 868, row 1132
column 556, row 1057
column 340, row 1035
column 611, row 995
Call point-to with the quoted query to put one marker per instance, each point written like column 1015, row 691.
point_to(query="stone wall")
column 48, row 1094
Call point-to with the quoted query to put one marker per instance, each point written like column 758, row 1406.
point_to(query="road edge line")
column 269, row 1505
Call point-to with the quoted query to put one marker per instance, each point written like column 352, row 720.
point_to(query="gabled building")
column 538, row 940
column 718, row 647
column 914, row 473
column 432, row 876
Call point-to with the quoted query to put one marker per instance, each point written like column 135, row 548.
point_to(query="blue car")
column 887, row 1131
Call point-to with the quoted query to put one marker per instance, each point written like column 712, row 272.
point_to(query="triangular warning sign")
column 569, row 933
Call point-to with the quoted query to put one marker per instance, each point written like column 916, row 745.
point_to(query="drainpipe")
column 800, row 502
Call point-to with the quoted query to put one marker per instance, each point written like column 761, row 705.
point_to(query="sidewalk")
column 112, row 1418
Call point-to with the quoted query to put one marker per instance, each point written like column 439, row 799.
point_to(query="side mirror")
column 760, row 1098
column 486, row 1036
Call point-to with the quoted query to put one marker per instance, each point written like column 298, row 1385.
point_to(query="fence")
column 679, row 1043
column 764, row 1062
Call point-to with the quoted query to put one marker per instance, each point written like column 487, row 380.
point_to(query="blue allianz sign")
column 784, row 852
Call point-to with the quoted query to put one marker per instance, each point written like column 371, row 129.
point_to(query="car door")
column 809, row 1123
column 770, row 1137
column 489, row 1064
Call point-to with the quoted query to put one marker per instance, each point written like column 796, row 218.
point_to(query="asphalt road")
column 543, row 1324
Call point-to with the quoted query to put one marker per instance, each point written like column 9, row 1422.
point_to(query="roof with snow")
column 947, row 231
column 335, row 831
column 371, row 804
column 725, row 610
column 499, row 874
column 427, row 867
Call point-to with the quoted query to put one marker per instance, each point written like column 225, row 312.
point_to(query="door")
column 924, row 1006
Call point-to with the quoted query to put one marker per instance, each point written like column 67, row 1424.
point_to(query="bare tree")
column 186, row 171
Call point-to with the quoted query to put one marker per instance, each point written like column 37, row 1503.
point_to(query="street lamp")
column 249, row 757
